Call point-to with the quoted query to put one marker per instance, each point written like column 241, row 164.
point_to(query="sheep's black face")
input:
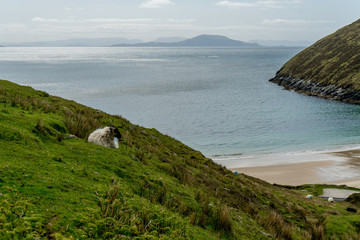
column 116, row 132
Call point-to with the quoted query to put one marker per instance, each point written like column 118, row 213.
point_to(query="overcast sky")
column 40, row 20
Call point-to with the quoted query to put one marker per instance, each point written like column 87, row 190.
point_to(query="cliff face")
column 329, row 68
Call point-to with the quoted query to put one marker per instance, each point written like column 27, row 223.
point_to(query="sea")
column 216, row 100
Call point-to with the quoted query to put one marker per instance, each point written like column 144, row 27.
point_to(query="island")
column 198, row 41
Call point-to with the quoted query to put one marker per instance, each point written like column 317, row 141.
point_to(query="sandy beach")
column 341, row 168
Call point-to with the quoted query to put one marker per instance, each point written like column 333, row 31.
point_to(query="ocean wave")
column 267, row 159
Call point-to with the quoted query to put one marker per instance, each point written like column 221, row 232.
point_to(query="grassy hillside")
column 152, row 187
column 333, row 60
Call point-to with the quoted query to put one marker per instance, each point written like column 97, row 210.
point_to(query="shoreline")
column 339, row 167
column 316, row 89
column 288, row 174
column 337, row 153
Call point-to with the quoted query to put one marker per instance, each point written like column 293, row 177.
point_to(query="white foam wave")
column 256, row 160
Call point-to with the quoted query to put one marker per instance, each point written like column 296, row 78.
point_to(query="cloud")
column 139, row 24
column 12, row 26
column 258, row 4
column 235, row 4
column 281, row 21
column 118, row 20
column 39, row 19
column 155, row 3
column 285, row 21
column 189, row 20
column 70, row 8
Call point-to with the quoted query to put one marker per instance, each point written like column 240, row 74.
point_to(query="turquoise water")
column 218, row 101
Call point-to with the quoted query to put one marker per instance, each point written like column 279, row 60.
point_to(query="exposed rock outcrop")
column 311, row 88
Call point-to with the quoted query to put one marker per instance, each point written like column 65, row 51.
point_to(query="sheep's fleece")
column 105, row 137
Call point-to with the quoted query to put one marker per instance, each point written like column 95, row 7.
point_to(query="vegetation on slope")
column 333, row 60
column 152, row 187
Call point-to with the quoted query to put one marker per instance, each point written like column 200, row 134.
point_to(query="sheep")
column 105, row 137
column 309, row 196
column 330, row 199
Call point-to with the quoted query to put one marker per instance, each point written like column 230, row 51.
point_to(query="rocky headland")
column 330, row 68
column 311, row 88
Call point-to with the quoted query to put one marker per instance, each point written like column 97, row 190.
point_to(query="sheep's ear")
column 113, row 129
column 116, row 132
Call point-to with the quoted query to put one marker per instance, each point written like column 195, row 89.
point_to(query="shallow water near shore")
column 218, row 101
column 339, row 167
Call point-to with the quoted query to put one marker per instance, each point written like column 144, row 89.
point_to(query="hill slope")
column 329, row 68
column 54, row 186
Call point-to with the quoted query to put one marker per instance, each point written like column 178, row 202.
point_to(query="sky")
column 45, row 20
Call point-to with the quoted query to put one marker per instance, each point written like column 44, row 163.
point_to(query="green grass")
column 341, row 225
column 152, row 187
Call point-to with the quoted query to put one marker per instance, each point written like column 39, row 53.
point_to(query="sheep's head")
column 116, row 132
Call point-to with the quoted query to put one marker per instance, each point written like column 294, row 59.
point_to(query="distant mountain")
column 283, row 43
column 76, row 42
column 214, row 40
column 170, row 39
column 199, row 41
column 330, row 68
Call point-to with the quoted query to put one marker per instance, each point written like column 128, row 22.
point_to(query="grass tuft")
column 276, row 224
column 223, row 220
column 81, row 124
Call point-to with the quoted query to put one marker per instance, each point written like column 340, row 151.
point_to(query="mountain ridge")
column 203, row 40
column 75, row 42
column 283, row 43
column 198, row 41
column 169, row 39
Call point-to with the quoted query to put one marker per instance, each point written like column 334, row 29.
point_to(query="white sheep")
column 330, row 199
column 309, row 196
column 105, row 137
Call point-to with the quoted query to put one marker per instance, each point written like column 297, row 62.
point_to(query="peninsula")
column 330, row 68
